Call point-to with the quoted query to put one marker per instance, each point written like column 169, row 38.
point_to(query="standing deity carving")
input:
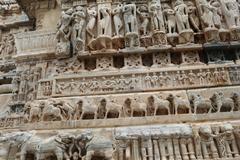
column 104, row 21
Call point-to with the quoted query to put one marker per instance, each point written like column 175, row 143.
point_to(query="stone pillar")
column 135, row 149
column 176, row 149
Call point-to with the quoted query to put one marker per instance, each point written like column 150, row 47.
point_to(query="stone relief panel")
column 175, row 141
column 82, row 85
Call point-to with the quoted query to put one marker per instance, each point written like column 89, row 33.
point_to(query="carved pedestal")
column 186, row 36
column 190, row 58
column 159, row 38
column 104, row 63
column 211, row 34
column 235, row 33
column 132, row 40
column 161, row 59
column 132, row 61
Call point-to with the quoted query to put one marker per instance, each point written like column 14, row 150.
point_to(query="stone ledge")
column 135, row 121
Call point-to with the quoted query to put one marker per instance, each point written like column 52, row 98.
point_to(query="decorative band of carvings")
column 19, row 122
column 77, row 85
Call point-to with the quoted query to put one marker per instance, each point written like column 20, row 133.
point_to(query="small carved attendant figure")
column 130, row 18
column 207, row 15
column 117, row 20
column 79, row 22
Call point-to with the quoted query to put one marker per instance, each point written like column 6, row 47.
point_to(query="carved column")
column 135, row 149
column 176, row 148
column 170, row 148
column 156, row 152
column 163, row 145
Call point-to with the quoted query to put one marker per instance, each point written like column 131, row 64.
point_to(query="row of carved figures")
column 145, row 24
column 108, row 107
column 207, row 142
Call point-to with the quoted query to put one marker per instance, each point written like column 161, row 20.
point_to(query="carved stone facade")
column 120, row 80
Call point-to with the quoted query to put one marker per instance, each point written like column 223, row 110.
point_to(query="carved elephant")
column 85, row 106
column 220, row 102
column 111, row 106
column 134, row 104
column 97, row 146
column 29, row 142
column 34, row 109
column 51, row 112
column 199, row 103
column 159, row 103
column 179, row 103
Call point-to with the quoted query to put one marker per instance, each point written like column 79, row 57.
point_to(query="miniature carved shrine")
column 119, row 80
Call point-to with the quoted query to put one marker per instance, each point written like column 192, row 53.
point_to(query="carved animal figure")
column 179, row 103
column 208, row 146
column 236, row 99
column 34, row 109
column 111, row 106
column 219, row 101
column 28, row 142
column 66, row 108
column 86, row 107
column 51, row 112
column 134, row 105
column 199, row 103
column 97, row 146
column 158, row 103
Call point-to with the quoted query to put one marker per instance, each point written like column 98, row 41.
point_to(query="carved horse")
column 84, row 106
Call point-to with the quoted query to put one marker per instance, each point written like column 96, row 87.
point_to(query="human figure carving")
column 157, row 16
column 231, row 12
column 181, row 12
column 130, row 18
column 92, row 13
column 105, row 21
column 193, row 17
column 236, row 99
column 117, row 19
column 78, row 26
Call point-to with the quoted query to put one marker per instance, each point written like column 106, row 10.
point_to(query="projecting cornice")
column 30, row 6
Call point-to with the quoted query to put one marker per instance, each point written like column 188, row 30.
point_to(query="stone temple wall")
column 120, row 80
